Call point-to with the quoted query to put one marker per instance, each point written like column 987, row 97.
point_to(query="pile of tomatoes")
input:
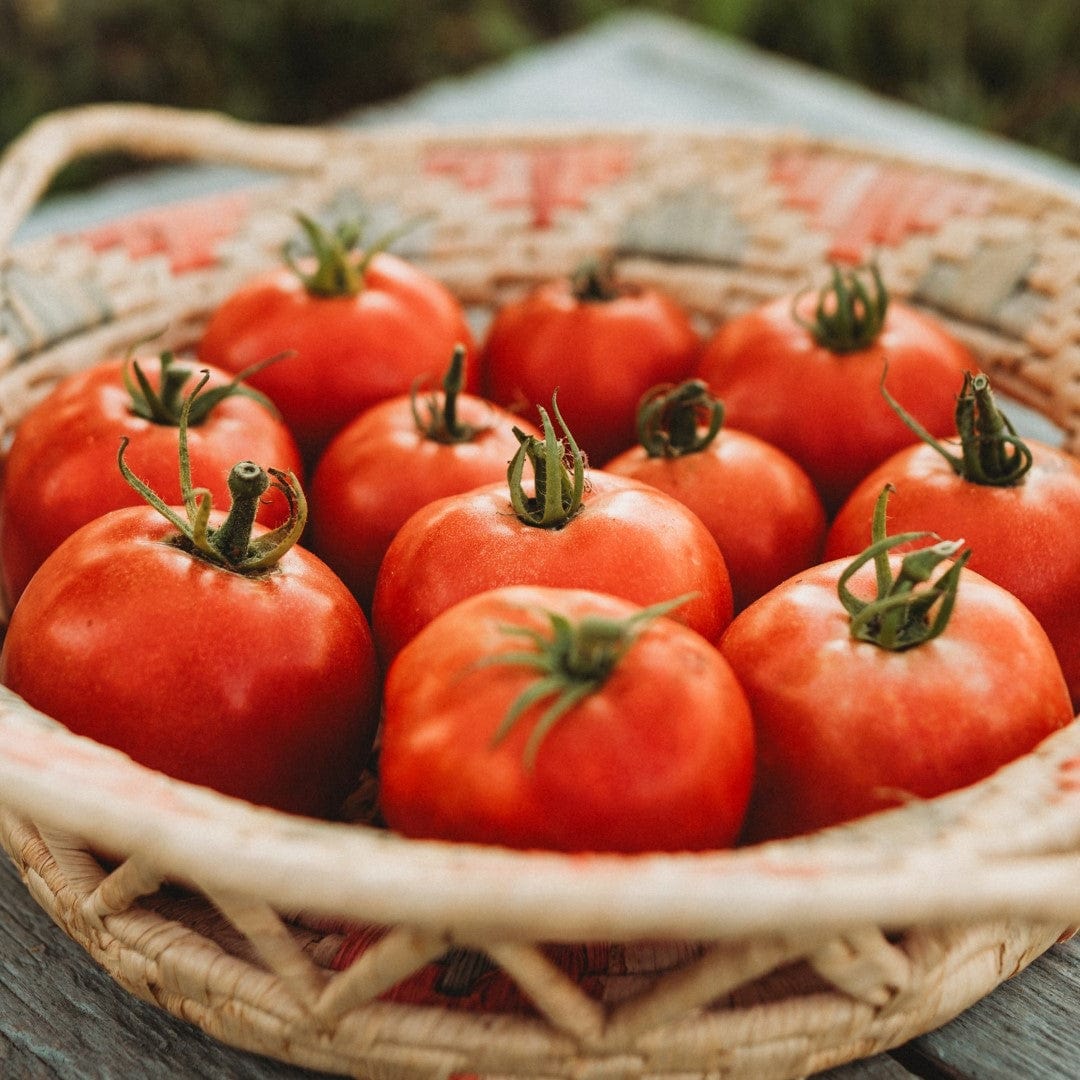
column 595, row 582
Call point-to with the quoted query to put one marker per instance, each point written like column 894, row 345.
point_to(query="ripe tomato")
column 61, row 470
column 362, row 328
column 474, row 749
column 803, row 373
column 846, row 726
column 599, row 345
column 760, row 506
column 264, row 683
column 1022, row 519
column 390, row 461
column 613, row 535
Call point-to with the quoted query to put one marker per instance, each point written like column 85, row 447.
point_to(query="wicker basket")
column 346, row 949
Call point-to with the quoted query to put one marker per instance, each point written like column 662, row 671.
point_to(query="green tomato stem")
column 340, row 266
column 558, row 491
column 572, row 662
column 164, row 405
column 442, row 424
column 849, row 314
column 991, row 452
column 230, row 544
column 669, row 419
column 902, row 615
column 593, row 282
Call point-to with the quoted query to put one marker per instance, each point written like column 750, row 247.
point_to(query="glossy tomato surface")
column 382, row 468
column 61, row 471
column 1025, row 537
column 601, row 356
column 845, row 728
column 261, row 687
column 349, row 351
column 658, row 757
column 826, row 409
column 628, row 539
column 756, row 501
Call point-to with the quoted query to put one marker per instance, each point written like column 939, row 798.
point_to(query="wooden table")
column 60, row 1016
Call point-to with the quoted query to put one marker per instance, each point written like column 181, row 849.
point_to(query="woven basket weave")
column 343, row 948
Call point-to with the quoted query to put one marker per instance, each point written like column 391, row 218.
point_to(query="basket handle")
column 150, row 131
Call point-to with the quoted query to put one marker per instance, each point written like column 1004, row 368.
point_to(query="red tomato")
column 613, row 535
column 61, row 470
column 362, row 329
column 600, row 346
column 846, row 727
column 760, row 506
column 1024, row 535
column 605, row 774
column 261, row 684
column 815, row 393
column 390, row 462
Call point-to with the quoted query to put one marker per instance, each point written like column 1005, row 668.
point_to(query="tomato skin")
column 601, row 355
column 760, row 506
column 381, row 468
column 629, row 540
column 844, row 727
column 609, row 776
column 61, row 471
column 264, row 688
column 826, row 409
column 1025, row 538
column 350, row 351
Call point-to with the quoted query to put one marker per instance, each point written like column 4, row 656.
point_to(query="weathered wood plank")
column 63, row 1018
column 1026, row 1028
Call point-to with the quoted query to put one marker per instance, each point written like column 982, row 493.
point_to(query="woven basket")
column 342, row 948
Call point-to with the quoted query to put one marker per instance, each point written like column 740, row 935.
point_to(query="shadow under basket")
column 342, row 947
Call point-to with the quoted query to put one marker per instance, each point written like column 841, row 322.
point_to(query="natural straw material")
column 347, row 949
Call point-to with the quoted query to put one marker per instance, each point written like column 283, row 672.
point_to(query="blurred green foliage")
column 1004, row 67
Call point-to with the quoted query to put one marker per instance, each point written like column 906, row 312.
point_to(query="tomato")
column 61, row 471
column 645, row 746
column 803, row 373
column 611, row 535
column 362, row 328
column 599, row 345
column 760, row 506
column 1022, row 521
column 847, row 725
column 390, row 461
column 253, row 674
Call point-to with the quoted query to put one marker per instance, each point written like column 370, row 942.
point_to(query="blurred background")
column 1000, row 66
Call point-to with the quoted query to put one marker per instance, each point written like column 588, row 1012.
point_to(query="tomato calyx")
column 165, row 404
column 573, row 662
column 593, row 282
column 850, row 313
column 670, row 419
column 902, row 615
column 991, row 452
column 340, row 265
column 229, row 545
column 558, row 490
column 442, row 424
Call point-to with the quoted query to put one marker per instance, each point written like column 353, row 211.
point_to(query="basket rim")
column 937, row 865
